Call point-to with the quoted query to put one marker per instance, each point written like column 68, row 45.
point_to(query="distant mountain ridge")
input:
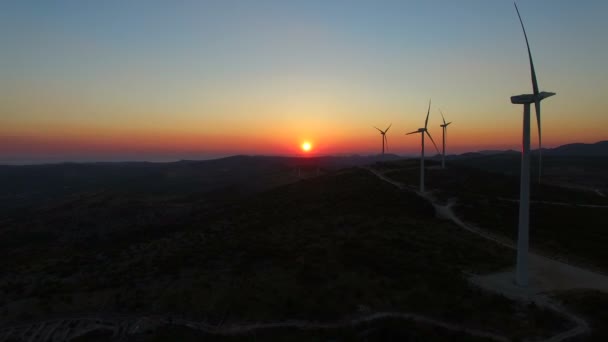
column 598, row 149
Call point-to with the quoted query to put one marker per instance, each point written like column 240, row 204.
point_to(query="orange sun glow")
column 306, row 146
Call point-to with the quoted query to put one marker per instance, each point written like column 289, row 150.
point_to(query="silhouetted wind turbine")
column 444, row 127
column 422, row 131
column 521, row 273
column 384, row 139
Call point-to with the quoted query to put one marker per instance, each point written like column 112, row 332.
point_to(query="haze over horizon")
column 167, row 81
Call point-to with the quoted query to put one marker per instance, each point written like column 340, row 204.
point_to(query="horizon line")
column 160, row 160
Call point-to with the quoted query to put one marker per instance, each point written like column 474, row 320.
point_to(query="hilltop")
column 248, row 240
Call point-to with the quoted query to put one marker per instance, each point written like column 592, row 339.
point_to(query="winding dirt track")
column 549, row 274
column 121, row 326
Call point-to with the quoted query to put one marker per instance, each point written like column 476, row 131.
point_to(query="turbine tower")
column 384, row 139
column 521, row 272
column 444, row 128
column 422, row 131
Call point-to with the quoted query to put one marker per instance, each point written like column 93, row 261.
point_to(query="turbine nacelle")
column 530, row 98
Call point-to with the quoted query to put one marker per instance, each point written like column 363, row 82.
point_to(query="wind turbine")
column 521, row 272
column 422, row 131
column 444, row 128
column 384, row 139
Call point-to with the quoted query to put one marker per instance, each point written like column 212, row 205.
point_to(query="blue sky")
column 157, row 69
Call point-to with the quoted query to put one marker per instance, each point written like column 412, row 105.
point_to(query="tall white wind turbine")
column 521, row 272
column 444, row 128
column 384, row 139
column 422, row 131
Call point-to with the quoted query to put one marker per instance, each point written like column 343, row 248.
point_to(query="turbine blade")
column 412, row 132
column 379, row 130
column 386, row 142
column 389, row 126
column 429, row 134
column 442, row 118
column 427, row 114
column 540, row 146
column 448, row 123
column 532, row 72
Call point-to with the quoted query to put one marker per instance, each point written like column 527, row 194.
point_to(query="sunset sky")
column 166, row 80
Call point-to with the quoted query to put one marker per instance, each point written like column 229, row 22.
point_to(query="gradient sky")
column 162, row 80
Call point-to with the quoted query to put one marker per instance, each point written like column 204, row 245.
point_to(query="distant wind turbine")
column 384, row 139
column 521, row 273
column 422, row 131
column 444, row 128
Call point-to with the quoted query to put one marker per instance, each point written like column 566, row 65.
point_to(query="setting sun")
column 306, row 146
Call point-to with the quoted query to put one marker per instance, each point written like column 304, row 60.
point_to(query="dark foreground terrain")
column 566, row 222
column 334, row 248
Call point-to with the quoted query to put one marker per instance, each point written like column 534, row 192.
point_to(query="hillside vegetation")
column 329, row 247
